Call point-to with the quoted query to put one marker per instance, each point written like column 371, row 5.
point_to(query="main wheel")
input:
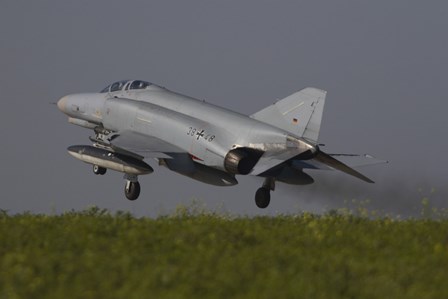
column 99, row 170
column 263, row 197
column 132, row 190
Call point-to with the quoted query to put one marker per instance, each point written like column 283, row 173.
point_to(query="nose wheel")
column 132, row 188
column 98, row 170
column 263, row 195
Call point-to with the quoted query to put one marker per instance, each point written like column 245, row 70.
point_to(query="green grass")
column 95, row 254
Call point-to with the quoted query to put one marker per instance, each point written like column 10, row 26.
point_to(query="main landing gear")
column 132, row 188
column 263, row 195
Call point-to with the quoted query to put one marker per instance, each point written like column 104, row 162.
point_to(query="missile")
column 106, row 159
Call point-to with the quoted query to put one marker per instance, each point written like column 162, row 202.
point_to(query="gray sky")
column 383, row 63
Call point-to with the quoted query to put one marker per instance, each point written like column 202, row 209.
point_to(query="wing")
column 143, row 145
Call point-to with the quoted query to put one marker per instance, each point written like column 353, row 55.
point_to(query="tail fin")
column 299, row 113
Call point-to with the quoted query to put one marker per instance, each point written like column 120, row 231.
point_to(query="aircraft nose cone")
column 62, row 103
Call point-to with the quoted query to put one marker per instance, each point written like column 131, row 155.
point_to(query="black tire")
column 99, row 170
column 262, row 197
column 132, row 190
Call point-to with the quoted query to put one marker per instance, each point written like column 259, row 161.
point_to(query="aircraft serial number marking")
column 198, row 134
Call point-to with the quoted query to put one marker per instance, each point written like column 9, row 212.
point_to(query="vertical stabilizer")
column 299, row 113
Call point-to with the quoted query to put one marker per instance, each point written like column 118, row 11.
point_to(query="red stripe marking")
column 195, row 158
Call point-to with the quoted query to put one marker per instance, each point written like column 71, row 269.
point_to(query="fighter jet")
column 134, row 120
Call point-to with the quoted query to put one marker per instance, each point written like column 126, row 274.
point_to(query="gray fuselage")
column 205, row 131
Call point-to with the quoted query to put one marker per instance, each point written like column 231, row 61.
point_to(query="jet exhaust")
column 106, row 159
column 241, row 160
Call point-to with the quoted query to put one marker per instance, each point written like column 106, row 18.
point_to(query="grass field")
column 95, row 254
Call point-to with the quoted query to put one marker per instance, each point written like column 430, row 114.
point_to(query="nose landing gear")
column 98, row 170
column 263, row 195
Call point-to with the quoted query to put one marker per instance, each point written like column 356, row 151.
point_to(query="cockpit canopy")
column 126, row 85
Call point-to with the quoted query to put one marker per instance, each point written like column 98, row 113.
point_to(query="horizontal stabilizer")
column 338, row 165
column 354, row 160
